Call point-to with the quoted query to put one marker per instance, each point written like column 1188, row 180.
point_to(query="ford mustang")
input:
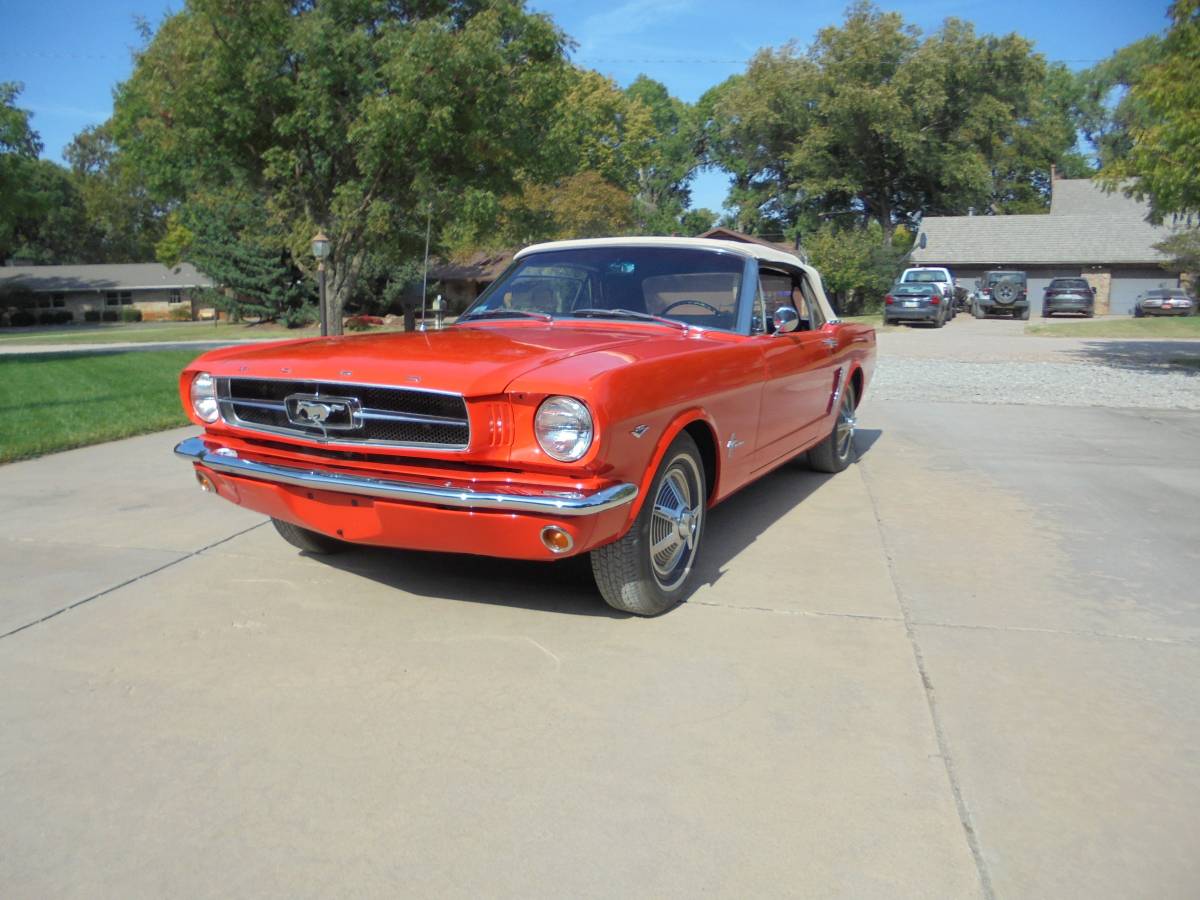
column 599, row 397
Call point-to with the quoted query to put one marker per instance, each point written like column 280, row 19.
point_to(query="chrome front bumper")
column 546, row 501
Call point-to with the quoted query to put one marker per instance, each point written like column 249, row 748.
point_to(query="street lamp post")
column 320, row 250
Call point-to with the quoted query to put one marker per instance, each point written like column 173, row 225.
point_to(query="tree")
column 351, row 115
column 856, row 265
column 1106, row 109
column 124, row 220
column 227, row 236
column 1163, row 160
column 663, row 183
column 876, row 121
column 19, row 146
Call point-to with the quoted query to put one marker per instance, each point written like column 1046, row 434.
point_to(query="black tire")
column 630, row 576
column 308, row 541
column 835, row 452
column 1046, row 314
column 977, row 312
column 940, row 320
column 1023, row 315
column 1137, row 312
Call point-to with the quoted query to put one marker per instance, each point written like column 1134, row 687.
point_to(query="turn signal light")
column 889, row 300
column 556, row 539
column 206, row 483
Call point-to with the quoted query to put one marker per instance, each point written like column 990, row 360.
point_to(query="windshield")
column 914, row 290
column 693, row 286
column 926, row 276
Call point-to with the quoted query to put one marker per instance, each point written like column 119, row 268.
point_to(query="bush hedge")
column 130, row 314
column 91, row 315
column 109, row 315
column 55, row 317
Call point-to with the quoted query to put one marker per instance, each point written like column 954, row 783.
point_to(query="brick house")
column 155, row 289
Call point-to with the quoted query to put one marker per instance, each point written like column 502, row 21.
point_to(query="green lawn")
column 1165, row 327
column 57, row 401
column 875, row 320
column 150, row 332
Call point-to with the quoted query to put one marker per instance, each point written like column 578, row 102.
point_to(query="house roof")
column 482, row 266
column 728, row 234
column 107, row 277
column 1085, row 226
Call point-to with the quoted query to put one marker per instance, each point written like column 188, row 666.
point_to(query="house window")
column 176, row 297
column 59, row 301
column 118, row 298
column 43, row 303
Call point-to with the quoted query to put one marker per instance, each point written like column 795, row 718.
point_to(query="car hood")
column 473, row 361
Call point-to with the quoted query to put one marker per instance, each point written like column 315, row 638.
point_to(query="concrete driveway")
column 965, row 667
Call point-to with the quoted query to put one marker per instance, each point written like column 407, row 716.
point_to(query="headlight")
column 564, row 428
column 204, row 397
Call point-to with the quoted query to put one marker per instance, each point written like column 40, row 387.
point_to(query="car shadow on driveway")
column 567, row 586
column 1143, row 356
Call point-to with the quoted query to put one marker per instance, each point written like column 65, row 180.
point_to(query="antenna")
column 425, row 269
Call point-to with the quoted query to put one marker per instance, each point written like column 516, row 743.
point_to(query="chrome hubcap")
column 845, row 428
column 675, row 524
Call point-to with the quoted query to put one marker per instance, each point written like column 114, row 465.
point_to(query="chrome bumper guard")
column 548, row 502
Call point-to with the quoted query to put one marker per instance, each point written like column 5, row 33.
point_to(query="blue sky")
column 71, row 53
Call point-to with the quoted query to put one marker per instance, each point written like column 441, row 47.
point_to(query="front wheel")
column 646, row 571
column 833, row 454
column 306, row 540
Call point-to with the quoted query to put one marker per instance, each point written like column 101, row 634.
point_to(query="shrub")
column 22, row 318
column 181, row 313
column 65, row 316
column 109, row 315
column 362, row 323
column 91, row 315
column 130, row 314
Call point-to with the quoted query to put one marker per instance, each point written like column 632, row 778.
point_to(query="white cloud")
column 630, row 18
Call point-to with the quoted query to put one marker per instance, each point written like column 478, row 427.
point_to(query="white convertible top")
column 756, row 251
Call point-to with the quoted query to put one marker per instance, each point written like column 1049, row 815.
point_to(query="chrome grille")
column 381, row 415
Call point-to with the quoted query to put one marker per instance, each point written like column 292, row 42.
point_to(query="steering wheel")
column 689, row 301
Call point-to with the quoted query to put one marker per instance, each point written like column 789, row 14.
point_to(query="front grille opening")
column 392, row 416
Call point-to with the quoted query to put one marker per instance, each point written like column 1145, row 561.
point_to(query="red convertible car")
column 599, row 397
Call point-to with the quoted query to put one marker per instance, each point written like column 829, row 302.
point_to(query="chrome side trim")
column 560, row 503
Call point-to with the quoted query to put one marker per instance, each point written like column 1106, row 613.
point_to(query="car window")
column 1070, row 284
column 775, row 290
column 697, row 286
column 925, row 276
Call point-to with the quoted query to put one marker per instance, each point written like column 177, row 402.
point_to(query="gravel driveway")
column 994, row 362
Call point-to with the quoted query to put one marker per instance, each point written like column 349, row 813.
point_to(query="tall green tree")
column 878, row 121
column 124, row 219
column 357, row 116
column 19, row 147
column 1163, row 160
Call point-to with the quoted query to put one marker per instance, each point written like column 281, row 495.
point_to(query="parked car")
column 1002, row 292
column 916, row 303
column 1068, row 295
column 932, row 275
column 1164, row 302
column 599, row 397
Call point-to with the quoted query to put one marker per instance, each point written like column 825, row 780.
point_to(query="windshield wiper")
column 597, row 313
column 507, row 313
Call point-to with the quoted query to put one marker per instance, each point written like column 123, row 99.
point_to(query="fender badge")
column 640, row 430
column 732, row 444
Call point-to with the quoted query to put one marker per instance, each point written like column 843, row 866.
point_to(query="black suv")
column 1002, row 292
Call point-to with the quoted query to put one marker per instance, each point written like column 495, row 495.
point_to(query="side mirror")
column 786, row 320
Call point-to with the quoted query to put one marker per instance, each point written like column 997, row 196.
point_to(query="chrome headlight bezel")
column 564, row 428
column 203, row 394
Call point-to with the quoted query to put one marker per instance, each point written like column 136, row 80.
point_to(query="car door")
column 798, row 371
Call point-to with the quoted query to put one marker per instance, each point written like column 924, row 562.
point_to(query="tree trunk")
column 340, row 287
